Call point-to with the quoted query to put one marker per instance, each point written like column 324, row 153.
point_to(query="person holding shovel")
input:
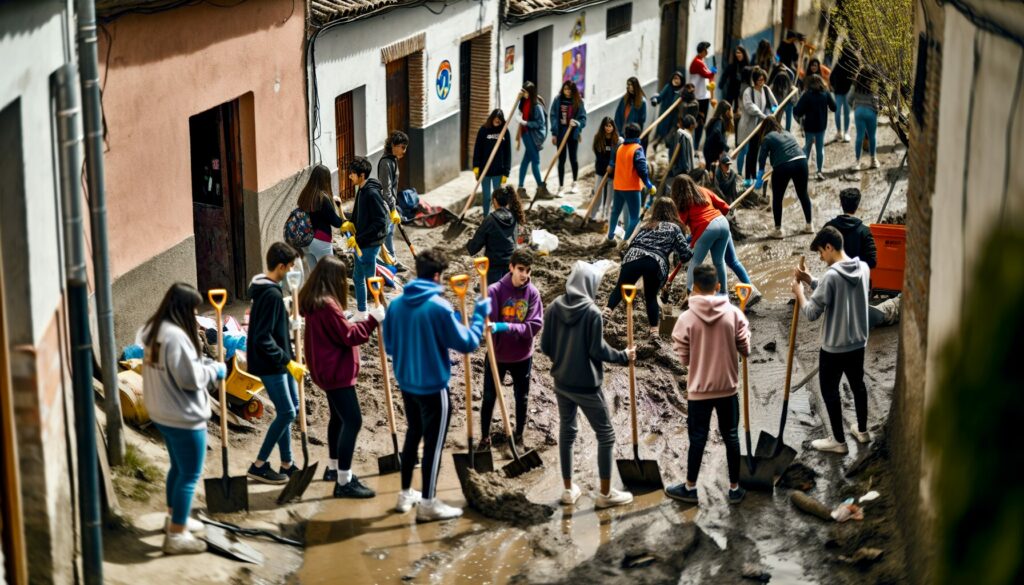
column 420, row 329
column 486, row 139
column 316, row 200
column 497, row 234
column 682, row 139
column 842, row 296
column 533, row 129
column 709, row 338
column 789, row 164
column 332, row 353
column 757, row 102
column 666, row 98
column 271, row 359
column 631, row 175
column 568, row 114
column 516, row 319
column 371, row 216
column 573, row 338
column 176, row 378
column 718, row 127
column 606, row 142
column 395, row 148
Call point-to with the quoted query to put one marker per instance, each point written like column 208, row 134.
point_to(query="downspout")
column 92, row 109
column 69, row 133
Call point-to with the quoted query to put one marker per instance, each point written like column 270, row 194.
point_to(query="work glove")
column 631, row 354
column 476, row 172
column 518, row 116
column 711, row 84
column 348, row 227
column 377, row 312
column 482, row 309
column 714, row 71
column 297, row 370
column 500, row 327
column 296, row 323
column 221, row 370
column 760, row 179
column 773, row 108
column 504, row 180
column 573, row 123
column 395, row 218
column 351, row 242
column 654, row 100
column 653, row 191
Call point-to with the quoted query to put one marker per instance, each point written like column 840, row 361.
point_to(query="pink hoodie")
column 707, row 337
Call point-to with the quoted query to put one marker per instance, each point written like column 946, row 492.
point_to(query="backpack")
column 408, row 201
column 298, row 229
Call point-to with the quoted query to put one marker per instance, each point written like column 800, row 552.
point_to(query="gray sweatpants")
column 595, row 409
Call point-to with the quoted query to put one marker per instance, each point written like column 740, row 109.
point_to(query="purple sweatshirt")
column 521, row 308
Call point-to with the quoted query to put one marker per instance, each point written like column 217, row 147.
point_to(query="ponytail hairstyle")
column 179, row 309
column 317, row 189
column 686, row 194
column 509, row 199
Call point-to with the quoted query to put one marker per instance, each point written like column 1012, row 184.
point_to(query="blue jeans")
column 187, row 450
column 733, row 262
column 284, row 393
column 789, row 115
column 490, row 185
column 389, row 240
column 631, row 200
column 365, row 267
column 866, row 120
column 818, row 140
column 531, row 156
column 842, row 113
column 740, row 158
column 715, row 239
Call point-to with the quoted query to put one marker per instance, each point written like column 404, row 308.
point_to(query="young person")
column 782, row 80
column 683, row 138
column 763, row 56
column 630, row 168
column 842, row 82
column 666, row 97
column 573, row 338
column 864, row 102
column 533, row 129
column 516, row 320
column 316, row 199
column 709, row 337
column 788, row 52
column 395, row 148
column 371, row 217
column 758, row 103
column 332, row 356
column 496, row 236
column 606, row 142
column 814, row 67
column 703, row 79
column 632, row 108
column 648, row 257
column 419, row 330
column 842, row 296
column 176, row 379
column 813, row 108
column 690, row 106
column 790, row 164
column 736, row 75
column 568, row 114
column 718, row 127
column 501, row 166
column 271, row 359
column 726, row 179
column 857, row 239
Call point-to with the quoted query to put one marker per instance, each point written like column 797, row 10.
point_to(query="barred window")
column 620, row 20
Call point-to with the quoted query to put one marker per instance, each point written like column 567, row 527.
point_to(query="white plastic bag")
column 544, row 240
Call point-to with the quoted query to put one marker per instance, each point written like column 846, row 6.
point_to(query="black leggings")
column 343, row 428
column 749, row 170
column 832, row 367
column 795, row 170
column 520, row 385
column 698, row 424
column 428, row 416
column 702, row 116
column 631, row 272
column 570, row 150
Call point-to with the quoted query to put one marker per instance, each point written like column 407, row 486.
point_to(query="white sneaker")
column 808, row 229
column 570, row 495
column 192, row 525
column 559, row 192
column 572, row 189
column 819, row 176
column 755, row 296
column 830, row 445
column 776, row 234
column 183, row 544
column 846, row 137
column 407, row 500
column 614, row 498
column 874, row 162
column 839, row 136
column 861, row 437
column 432, row 510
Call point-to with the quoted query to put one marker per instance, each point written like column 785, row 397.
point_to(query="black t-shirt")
column 564, row 111
column 788, row 54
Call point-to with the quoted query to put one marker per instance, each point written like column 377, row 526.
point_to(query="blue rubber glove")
column 760, row 179
column 501, row 327
column 482, row 309
column 714, row 70
column 221, row 369
column 773, row 108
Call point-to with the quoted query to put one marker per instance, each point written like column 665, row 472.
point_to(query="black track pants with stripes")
column 427, row 416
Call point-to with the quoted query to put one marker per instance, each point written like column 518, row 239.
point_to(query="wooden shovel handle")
column 558, row 153
column 792, row 342
column 460, row 283
column 749, row 190
column 492, row 360
column 482, row 265
column 629, row 293
column 490, row 159
column 597, row 195
column 671, row 163
column 218, row 297
column 663, row 115
column 374, row 283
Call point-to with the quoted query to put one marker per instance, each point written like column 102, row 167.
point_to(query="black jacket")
column 857, row 239
column 269, row 347
column 842, row 76
column 325, row 217
column 733, row 79
column 714, row 141
column 814, row 107
column 387, row 174
column 496, row 236
column 486, row 137
column 370, row 215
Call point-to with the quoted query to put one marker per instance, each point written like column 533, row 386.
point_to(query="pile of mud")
column 490, row 494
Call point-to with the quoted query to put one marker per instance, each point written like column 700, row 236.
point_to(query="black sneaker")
column 682, row 493
column 736, row 495
column 399, row 267
column 353, row 489
column 266, row 475
column 288, row 471
column 330, row 474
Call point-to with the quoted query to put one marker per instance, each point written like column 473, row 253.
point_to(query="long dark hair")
column 723, row 112
column 663, row 210
column 316, row 191
column 328, row 281
column 638, row 92
column 865, row 80
column 815, row 82
column 599, row 139
column 686, row 194
column 509, row 199
column 763, row 57
column 178, row 308
column 531, row 93
column 574, row 93
column 770, row 124
column 743, row 51
column 496, row 113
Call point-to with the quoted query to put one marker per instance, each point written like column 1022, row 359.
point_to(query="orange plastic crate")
column 891, row 242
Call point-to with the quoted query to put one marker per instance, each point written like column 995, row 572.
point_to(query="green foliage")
column 137, row 478
column 974, row 426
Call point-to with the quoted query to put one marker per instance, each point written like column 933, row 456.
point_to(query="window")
column 620, row 20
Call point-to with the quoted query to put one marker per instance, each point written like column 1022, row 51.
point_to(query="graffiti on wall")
column 574, row 67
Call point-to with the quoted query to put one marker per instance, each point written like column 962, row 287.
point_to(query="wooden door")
column 530, row 59
column 12, row 542
column 398, row 104
column 788, row 15
column 231, row 177
column 345, row 137
column 465, row 103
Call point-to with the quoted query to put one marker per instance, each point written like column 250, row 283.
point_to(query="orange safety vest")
column 626, row 177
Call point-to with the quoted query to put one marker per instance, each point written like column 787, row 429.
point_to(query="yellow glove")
column 711, row 86
column 351, row 242
column 504, row 180
column 476, row 171
column 653, row 191
column 348, row 227
column 395, row 218
column 297, row 370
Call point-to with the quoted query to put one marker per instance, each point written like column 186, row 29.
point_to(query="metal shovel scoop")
column 755, row 473
column 386, row 463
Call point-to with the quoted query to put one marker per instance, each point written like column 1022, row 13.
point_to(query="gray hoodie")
column 175, row 380
column 842, row 295
column 572, row 335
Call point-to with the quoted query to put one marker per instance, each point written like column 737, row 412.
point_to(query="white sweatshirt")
column 175, row 380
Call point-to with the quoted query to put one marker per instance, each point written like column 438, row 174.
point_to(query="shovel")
column 482, row 462
column 299, row 480
column 542, row 189
column 593, row 200
column 755, row 472
column 386, row 463
column 219, row 541
column 457, row 227
column 641, row 476
column 530, row 459
column 777, row 454
column 224, row 494
column 671, row 165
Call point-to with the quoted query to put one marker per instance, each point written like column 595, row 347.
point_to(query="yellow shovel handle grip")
column 459, row 284
column 218, row 297
column 743, row 291
column 629, row 292
column 375, row 283
column 482, row 265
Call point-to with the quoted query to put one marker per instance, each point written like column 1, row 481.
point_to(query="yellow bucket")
column 129, row 386
column 241, row 384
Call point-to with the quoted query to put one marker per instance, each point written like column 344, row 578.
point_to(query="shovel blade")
column 454, row 230
column 640, row 476
column 388, row 464
column 773, row 453
column 297, row 484
column 220, row 541
column 225, row 495
column 756, row 474
column 482, row 462
column 528, row 461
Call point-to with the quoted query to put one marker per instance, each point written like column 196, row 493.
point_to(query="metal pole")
column 91, row 107
column 69, row 132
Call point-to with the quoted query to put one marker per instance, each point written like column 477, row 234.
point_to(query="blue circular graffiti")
column 444, row 79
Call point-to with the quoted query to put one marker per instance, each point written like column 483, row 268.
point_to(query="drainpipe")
column 69, row 132
column 91, row 106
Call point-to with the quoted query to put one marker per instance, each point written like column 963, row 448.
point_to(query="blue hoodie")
column 419, row 329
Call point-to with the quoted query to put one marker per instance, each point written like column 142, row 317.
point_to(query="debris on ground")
column 863, row 556
column 847, row 511
column 756, row 572
column 770, row 346
column 811, row 506
column 798, row 477
column 490, row 494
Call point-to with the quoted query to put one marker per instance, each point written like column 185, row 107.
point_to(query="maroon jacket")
column 332, row 352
